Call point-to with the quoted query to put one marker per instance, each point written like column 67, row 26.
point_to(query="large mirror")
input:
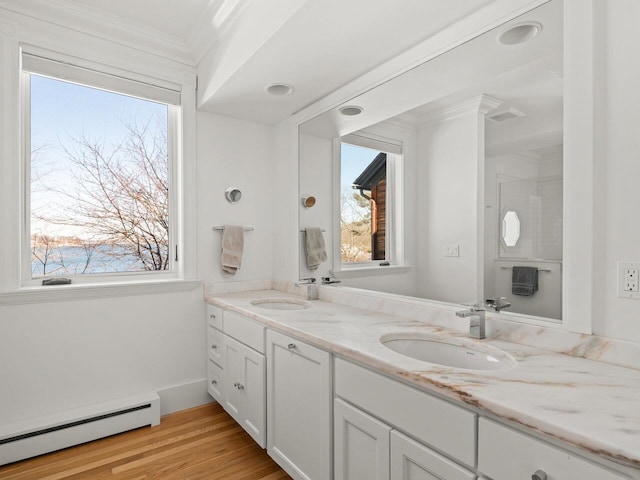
column 446, row 182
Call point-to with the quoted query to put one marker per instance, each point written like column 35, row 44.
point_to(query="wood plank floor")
column 199, row 443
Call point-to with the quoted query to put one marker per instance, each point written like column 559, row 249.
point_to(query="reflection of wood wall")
column 379, row 220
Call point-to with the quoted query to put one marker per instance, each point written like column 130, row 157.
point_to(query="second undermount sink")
column 450, row 352
column 281, row 303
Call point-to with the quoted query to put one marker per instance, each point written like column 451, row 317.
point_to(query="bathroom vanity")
column 328, row 399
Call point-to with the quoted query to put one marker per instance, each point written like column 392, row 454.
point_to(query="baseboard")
column 184, row 396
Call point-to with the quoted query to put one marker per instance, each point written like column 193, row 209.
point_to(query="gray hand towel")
column 314, row 247
column 232, row 246
column 524, row 281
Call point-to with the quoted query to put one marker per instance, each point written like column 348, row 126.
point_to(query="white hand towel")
column 232, row 245
column 314, row 247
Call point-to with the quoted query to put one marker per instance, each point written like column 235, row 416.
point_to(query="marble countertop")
column 592, row 405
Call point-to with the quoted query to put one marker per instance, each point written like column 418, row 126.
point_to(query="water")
column 76, row 260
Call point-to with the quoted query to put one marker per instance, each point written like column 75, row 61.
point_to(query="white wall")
column 235, row 153
column 450, row 159
column 57, row 356
column 619, row 170
column 316, row 167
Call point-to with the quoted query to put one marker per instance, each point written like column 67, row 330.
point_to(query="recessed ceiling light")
column 351, row 110
column 280, row 89
column 520, row 33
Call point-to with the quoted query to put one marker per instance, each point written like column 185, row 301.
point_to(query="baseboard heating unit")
column 54, row 432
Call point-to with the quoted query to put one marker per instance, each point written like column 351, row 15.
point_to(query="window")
column 99, row 165
column 369, row 202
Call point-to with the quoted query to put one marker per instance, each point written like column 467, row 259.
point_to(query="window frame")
column 160, row 74
column 394, row 238
column 173, row 113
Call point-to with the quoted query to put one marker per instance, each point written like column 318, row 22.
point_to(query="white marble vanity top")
column 592, row 405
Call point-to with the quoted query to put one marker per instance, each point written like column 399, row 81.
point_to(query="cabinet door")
column 411, row 460
column 244, row 387
column 299, row 407
column 361, row 448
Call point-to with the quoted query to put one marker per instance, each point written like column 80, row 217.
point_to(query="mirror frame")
column 583, row 60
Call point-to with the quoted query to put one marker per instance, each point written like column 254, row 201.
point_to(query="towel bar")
column 220, row 227
column 302, row 230
column 540, row 269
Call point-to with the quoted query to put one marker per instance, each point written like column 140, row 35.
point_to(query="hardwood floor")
column 200, row 443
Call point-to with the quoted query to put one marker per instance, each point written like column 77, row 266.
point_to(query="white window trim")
column 395, row 262
column 13, row 289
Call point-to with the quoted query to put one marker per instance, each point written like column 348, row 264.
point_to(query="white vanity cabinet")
column 374, row 418
column 506, row 454
column 299, row 397
column 236, row 369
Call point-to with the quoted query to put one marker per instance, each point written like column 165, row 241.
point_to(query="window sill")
column 62, row 293
column 370, row 271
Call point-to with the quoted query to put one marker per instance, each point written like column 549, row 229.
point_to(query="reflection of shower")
column 537, row 205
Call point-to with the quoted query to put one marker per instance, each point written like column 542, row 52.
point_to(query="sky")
column 61, row 111
column 353, row 160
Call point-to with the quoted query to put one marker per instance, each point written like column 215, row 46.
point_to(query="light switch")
column 452, row 251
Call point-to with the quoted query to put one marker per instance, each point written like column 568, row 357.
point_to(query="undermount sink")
column 281, row 303
column 449, row 352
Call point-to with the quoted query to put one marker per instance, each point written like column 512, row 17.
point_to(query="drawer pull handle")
column 539, row 475
column 214, row 382
column 213, row 315
column 214, row 346
column 291, row 346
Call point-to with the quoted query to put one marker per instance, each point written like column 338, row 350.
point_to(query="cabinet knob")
column 213, row 346
column 539, row 475
column 214, row 382
column 291, row 346
column 238, row 385
column 212, row 315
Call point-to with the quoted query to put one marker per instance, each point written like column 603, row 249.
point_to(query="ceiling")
column 318, row 47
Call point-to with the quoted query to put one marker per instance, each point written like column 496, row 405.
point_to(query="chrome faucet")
column 328, row 281
column 476, row 314
column 312, row 287
column 476, row 320
column 496, row 304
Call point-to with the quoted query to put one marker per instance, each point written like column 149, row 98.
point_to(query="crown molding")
column 99, row 24
column 480, row 104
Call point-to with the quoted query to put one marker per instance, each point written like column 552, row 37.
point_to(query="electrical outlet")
column 628, row 280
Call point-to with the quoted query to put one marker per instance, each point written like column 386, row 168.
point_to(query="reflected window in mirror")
column 366, row 202
column 510, row 228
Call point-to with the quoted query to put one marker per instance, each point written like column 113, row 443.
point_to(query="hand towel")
column 232, row 245
column 524, row 281
column 314, row 247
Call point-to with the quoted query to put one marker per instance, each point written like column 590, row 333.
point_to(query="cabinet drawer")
column 215, row 345
column 214, row 316
column 437, row 423
column 505, row 454
column 215, row 381
column 244, row 330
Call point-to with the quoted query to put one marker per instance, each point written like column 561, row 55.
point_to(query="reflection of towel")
column 232, row 245
column 314, row 247
column 524, row 281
